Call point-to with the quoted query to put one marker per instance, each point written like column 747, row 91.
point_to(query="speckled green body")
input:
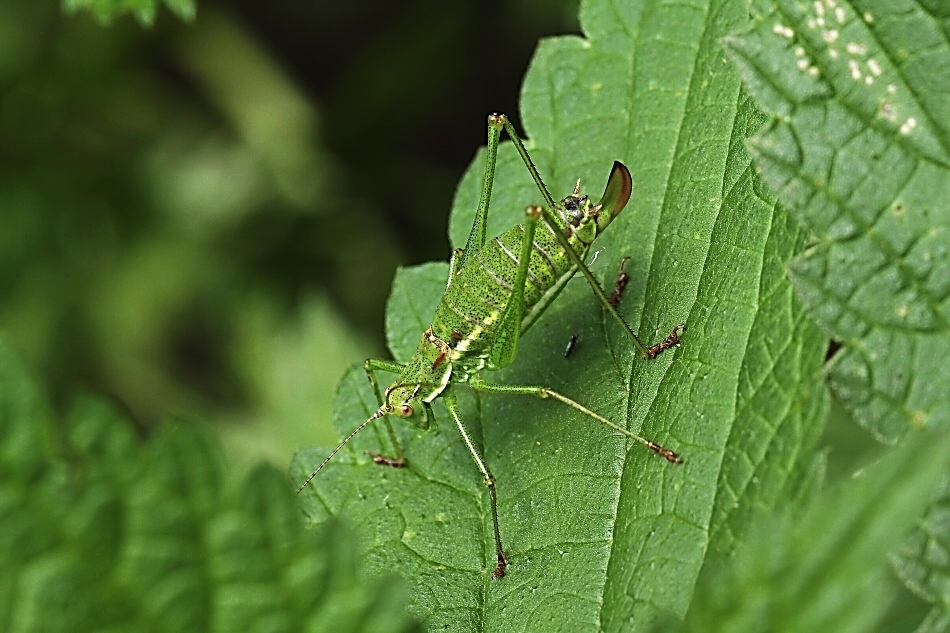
column 470, row 330
column 472, row 305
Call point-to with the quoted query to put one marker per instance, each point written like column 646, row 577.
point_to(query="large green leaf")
column 859, row 148
column 602, row 534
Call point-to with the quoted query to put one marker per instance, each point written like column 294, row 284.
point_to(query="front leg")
column 371, row 366
column 614, row 299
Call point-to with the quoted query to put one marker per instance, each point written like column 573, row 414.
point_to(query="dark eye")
column 406, row 410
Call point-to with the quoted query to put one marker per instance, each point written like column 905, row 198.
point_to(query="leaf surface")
column 601, row 534
column 858, row 147
column 859, row 150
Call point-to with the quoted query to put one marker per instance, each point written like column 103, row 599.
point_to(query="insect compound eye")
column 572, row 204
column 406, row 410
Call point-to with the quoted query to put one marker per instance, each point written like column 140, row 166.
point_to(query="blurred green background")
column 203, row 219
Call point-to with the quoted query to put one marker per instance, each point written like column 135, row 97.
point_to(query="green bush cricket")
column 495, row 291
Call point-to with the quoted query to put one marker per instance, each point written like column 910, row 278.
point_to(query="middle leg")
column 451, row 403
column 543, row 392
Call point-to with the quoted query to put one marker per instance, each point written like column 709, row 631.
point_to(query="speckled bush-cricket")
column 495, row 291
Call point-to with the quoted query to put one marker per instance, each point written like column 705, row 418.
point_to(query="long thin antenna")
column 379, row 413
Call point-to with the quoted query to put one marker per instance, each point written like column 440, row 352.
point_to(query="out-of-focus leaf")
column 103, row 532
column 923, row 561
column 143, row 10
column 828, row 570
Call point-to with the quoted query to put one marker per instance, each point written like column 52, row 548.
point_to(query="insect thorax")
column 467, row 316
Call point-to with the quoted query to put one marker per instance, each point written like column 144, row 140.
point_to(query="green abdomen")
column 469, row 311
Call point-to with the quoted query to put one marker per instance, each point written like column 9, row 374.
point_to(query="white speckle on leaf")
column 802, row 64
column 856, row 48
column 887, row 111
column 855, row 70
column 812, row 24
column 868, row 17
column 819, row 8
column 891, row 89
column 595, row 256
column 784, row 31
column 840, row 15
column 908, row 126
column 833, row 53
column 799, row 51
column 874, row 67
column 902, row 311
column 813, row 71
column 868, row 79
column 830, row 35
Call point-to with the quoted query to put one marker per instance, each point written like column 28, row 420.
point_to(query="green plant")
column 144, row 10
column 790, row 174
column 104, row 532
column 603, row 537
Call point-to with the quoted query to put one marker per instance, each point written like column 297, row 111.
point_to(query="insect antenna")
column 379, row 413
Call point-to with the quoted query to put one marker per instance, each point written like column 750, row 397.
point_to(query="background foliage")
column 195, row 224
column 206, row 216
column 103, row 532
